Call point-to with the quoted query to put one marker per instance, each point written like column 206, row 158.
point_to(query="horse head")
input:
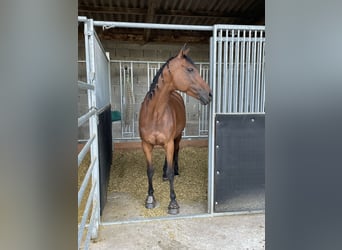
column 186, row 77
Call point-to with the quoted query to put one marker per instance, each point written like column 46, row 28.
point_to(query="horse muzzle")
column 204, row 97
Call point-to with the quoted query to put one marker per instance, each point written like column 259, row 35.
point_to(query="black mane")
column 154, row 83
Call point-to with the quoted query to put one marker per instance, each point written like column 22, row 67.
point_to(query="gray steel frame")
column 98, row 91
column 237, row 82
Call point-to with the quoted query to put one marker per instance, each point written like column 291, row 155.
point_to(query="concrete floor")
column 220, row 232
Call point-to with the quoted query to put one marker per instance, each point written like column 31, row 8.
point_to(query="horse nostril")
column 210, row 95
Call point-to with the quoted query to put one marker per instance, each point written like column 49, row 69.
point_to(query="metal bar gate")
column 98, row 92
column 237, row 80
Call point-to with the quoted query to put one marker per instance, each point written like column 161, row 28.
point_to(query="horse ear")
column 184, row 51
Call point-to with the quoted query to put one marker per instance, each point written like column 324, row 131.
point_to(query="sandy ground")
column 220, row 232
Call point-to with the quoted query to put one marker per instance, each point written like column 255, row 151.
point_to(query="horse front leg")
column 150, row 200
column 175, row 158
column 173, row 207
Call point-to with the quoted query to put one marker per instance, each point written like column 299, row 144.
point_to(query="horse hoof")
column 173, row 211
column 150, row 202
column 173, row 208
column 165, row 178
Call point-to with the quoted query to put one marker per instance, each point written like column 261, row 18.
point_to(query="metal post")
column 211, row 133
column 236, row 72
column 262, row 108
column 225, row 74
column 219, row 72
column 90, row 58
column 242, row 74
column 230, row 83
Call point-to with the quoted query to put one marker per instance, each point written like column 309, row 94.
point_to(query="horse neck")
column 161, row 96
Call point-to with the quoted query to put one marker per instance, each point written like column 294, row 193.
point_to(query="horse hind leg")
column 175, row 155
column 175, row 158
column 150, row 201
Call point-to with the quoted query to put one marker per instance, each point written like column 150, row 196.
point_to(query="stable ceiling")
column 188, row 12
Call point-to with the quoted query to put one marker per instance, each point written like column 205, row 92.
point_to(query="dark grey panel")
column 239, row 182
column 105, row 152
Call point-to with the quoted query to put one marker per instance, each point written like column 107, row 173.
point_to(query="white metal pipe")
column 183, row 217
column 83, row 85
column 242, row 74
column 200, row 117
column 85, row 182
column 85, row 149
column 236, row 73
column 248, row 73
column 133, row 99
column 109, row 25
column 225, row 75
column 219, row 74
column 85, row 117
column 82, row 18
column 240, row 27
column 230, row 82
column 85, row 213
column 263, row 79
column 148, row 62
column 211, row 160
column 91, row 226
column 109, row 78
column 259, row 73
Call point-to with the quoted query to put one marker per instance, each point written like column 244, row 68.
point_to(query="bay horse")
column 162, row 117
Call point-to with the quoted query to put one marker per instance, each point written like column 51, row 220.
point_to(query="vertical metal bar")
column 93, row 127
column 219, row 73
column 225, row 75
column 206, row 109
column 262, row 107
column 257, row 87
column 253, row 74
column 256, row 72
column 236, row 72
column 200, row 107
column 231, row 65
column 259, row 72
column 248, row 72
column 242, row 73
column 121, row 99
column 211, row 134
column 148, row 75
column 109, row 78
column 133, row 104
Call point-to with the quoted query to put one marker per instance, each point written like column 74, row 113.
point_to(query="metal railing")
column 88, row 225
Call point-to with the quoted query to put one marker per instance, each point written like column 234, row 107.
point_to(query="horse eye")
column 190, row 69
